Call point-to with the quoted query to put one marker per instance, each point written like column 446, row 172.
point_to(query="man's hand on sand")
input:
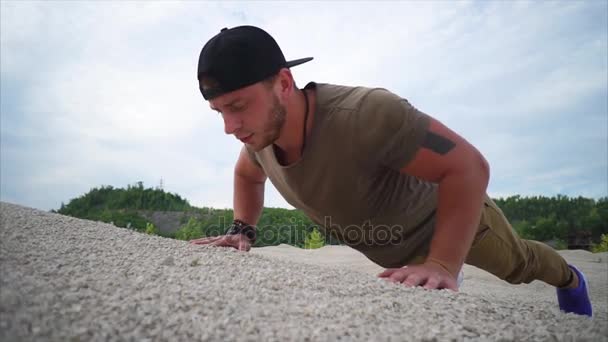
column 428, row 275
column 238, row 241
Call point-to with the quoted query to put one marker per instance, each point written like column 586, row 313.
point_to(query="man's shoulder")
column 348, row 97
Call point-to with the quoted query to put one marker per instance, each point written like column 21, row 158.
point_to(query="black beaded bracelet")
column 240, row 227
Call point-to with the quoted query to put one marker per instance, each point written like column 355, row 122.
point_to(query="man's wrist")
column 444, row 265
column 240, row 227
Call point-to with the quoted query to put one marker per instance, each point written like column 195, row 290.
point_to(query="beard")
column 275, row 120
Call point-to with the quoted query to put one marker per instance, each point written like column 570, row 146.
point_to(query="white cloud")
column 108, row 95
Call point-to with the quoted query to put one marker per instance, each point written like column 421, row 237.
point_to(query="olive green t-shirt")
column 347, row 179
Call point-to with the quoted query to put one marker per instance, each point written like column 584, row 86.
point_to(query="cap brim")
column 298, row 61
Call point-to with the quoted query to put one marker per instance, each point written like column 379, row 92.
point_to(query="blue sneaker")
column 575, row 300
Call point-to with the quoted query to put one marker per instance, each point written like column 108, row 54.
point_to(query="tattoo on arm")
column 437, row 143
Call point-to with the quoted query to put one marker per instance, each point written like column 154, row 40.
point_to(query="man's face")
column 253, row 114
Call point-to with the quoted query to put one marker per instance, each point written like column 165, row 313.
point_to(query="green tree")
column 544, row 228
column 593, row 222
column 523, row 229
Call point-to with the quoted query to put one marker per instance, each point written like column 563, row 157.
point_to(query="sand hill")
column 66, row 279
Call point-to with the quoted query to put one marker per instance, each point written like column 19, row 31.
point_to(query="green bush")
column 314, row 240
column 191, row 230
column 151, row 229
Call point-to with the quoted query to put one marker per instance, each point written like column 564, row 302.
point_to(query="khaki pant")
column 496, row 249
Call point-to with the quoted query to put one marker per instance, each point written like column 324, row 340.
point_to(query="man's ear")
column 285, row 84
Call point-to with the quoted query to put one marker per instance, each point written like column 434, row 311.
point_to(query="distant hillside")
column 559, row 217
column 567, row 221
column 172, row 216
column 132, row 198
column 124, row 207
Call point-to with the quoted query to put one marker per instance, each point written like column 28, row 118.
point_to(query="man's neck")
column 291, row 139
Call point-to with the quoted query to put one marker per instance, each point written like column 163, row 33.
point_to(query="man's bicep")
column 247, row 168
column 442, row 151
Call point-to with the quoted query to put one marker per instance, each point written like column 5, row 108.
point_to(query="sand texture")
column 66, row 279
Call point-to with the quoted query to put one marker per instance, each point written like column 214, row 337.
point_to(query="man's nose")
column 231, row 124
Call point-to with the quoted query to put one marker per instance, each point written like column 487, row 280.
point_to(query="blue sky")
column 105, row 93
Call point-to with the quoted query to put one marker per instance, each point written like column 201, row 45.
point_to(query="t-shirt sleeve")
column 252, row 157
column 389, row 130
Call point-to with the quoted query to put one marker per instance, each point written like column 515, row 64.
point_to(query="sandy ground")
column 476, row 281
column 65, row 279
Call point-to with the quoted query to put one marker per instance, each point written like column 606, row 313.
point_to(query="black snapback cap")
column 239, row 57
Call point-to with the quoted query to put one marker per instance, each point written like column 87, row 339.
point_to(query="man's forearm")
column 248, row 200
column 458, row 214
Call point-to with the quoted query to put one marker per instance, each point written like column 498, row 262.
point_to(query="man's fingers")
column 244, row 246
column 450, row 284
column 204, row 241
column 438, row 283
column 419, row 276
column 388, row 272
column 413, row 280
column 400, row 275
column 214, row 241
column 234, row 241
column 224, row 241
column 432, row 283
